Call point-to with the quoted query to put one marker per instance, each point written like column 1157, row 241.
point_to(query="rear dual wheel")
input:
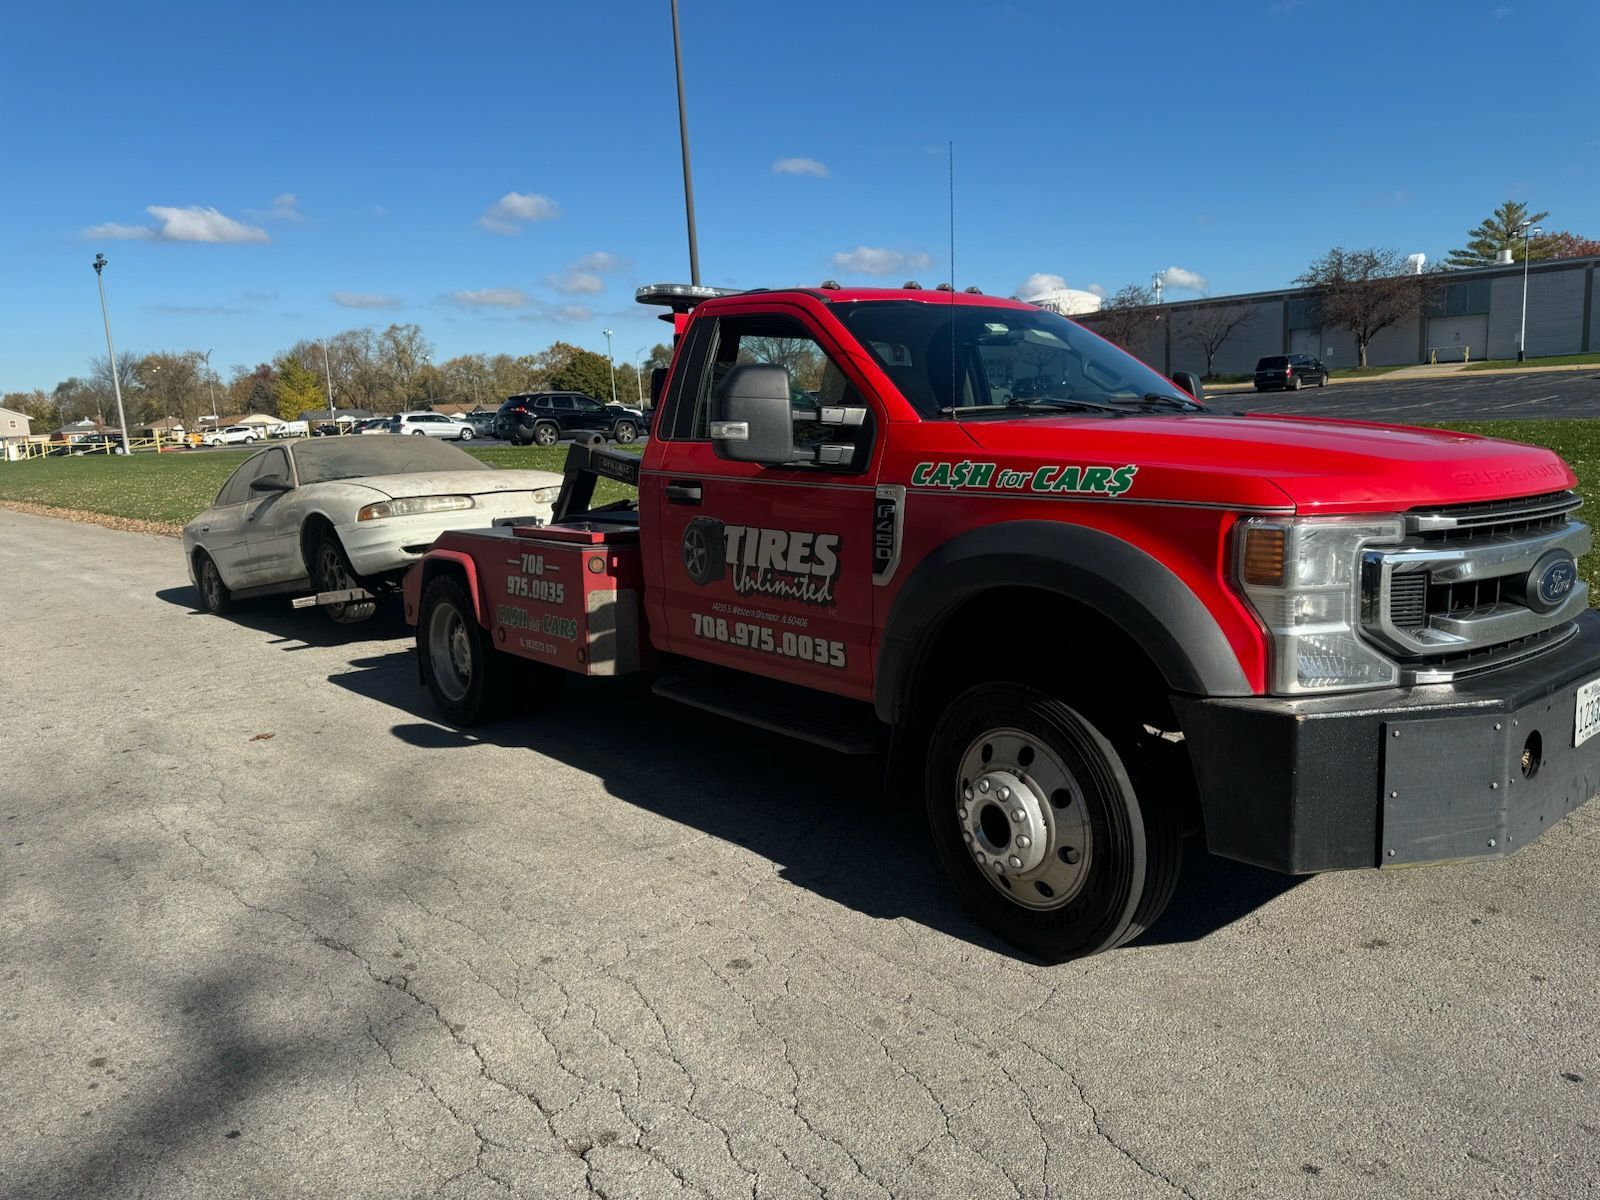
column 1036, row 821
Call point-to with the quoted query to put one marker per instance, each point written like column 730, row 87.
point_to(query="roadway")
column 271, row 930
column 1463, row 396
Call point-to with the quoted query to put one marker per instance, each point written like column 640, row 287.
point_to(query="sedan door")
column 221, row 531
column 271, row 527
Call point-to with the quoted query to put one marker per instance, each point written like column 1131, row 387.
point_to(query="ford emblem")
column 1551, row 581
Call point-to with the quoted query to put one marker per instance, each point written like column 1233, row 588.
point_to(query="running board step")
column 792, row 712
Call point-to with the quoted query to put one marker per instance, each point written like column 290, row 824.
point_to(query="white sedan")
column 337, row 514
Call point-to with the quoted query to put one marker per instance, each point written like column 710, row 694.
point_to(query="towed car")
column 347, row 514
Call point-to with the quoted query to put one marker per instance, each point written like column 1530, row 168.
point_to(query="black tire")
column 1108, row 863
column 331, row 572
column 1295, row 383
column 215, row 598
column 546, row 434
column 625, row 432
column 704, row 550
column 1323, row 382
column 468, row 678
column 419, row 433
column 466, row 434
column 1259, row 388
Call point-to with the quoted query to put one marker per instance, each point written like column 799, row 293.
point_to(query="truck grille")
column 1453, row 596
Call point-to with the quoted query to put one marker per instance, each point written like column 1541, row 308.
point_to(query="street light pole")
column 111, row 353
column 612, row 363
column 638, row 374
column 212, row 388
column 1528, row 231
column 327, row 373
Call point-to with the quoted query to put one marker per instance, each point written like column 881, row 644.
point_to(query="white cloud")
column 284, row 208
column 196, row 223
column 508, row 214
column 575, row 312
column 492, row 298
column 1501, row 11
column 123, row 232
column 879, row 260
column 200, row 224
column 576, row 283
column 363, row 300
column 1038, row 284
column 1097, row 289
column 1178, row 277
column 601, row 262
column 800, row 166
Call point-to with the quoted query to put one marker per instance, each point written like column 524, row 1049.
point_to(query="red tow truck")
column 1079, row 612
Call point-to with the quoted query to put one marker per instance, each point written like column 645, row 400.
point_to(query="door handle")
column 682, row 491
column 205, row 529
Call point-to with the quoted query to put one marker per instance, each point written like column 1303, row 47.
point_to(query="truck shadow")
column 822, row 818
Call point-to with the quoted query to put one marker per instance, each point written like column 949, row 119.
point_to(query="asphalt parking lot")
column 272, row 931
column 1464, row 396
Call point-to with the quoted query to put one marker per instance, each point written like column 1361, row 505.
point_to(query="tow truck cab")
column 1081, row 610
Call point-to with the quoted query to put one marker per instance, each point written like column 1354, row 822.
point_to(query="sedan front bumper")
column 1473, row 769
column 393, row 543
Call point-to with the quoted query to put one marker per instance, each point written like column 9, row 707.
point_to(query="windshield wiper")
column 1115, row 410
column 1177, row 403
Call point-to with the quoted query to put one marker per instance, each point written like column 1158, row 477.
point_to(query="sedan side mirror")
column 270, row 483
column 1189, row 382
column 751, row 418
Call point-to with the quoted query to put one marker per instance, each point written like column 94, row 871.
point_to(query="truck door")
column 766, row 568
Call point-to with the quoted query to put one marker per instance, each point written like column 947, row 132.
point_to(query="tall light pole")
column 212, row 388
column 683, row 140
column 612, row 363
column 111, row 353
column 1529, row 231
column 638, row 373
column 327, row 373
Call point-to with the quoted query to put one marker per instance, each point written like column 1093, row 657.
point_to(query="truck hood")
column 1317, row 465
column 455, row 483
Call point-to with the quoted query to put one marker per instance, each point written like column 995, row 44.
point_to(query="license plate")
column 1586, row 721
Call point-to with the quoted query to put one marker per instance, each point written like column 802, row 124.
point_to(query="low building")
column 14, row 432
column 1475, row 313
column 342, row 416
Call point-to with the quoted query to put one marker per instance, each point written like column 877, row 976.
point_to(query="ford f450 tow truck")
column 1080, row 612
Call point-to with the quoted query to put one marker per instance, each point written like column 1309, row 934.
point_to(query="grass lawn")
column 172, row 488
column 1555, row 360
column 1359, row 372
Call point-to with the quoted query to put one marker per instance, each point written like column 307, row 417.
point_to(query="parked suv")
column 1290, row 372
column 432, row 424
column 547, row 417
column 232, row 435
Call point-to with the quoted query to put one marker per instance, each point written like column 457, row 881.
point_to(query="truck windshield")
column 1009, row 361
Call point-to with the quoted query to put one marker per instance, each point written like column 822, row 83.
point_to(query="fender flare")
column 1124, row 584
column 430, row 566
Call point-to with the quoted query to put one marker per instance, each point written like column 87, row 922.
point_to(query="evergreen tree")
column 1501, row 230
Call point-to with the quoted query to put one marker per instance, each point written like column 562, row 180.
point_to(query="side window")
column 815, row 382
column 584, row 404
column 237, row 489
column 273, row 462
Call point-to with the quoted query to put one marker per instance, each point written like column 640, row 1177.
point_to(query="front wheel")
column 215, row 598
column 1035, row 820
column 625, row 432
column 334, row 574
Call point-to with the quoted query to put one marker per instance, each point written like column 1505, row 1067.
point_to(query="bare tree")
column 1209, row 327
column 1366, row 291
column 1125, row 315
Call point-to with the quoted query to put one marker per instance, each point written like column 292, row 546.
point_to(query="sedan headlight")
column 1303, row 578
column 410, row 506
column 546, row 495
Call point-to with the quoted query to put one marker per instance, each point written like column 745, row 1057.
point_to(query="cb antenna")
column 950, row 158
column 683, row 140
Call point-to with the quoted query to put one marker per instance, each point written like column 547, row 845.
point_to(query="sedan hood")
column 1315, row 465
column 456, row 483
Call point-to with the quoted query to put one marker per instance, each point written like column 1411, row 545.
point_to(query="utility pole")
column 1528, row 231
column 111, row 353
column 612, row 363
column 327, row 373
column 683, row 141
column 212, row 388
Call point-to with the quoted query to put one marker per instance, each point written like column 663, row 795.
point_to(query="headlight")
column 409, row 506
column 545, row 495
column 1303, row 578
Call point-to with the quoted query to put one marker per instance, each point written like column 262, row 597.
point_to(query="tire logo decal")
column 778, row 563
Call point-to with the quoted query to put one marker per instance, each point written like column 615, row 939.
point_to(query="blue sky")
column 506, row 174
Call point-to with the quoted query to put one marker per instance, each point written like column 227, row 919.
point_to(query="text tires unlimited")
column 1036, row 822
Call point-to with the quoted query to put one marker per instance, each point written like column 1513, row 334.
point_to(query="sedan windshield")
column 351, row 458
column 1003, row 360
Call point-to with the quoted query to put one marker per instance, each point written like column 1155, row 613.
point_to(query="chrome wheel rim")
column 211, row 584
column 450, row 652
column 545, row 436
column 695, row 552
column 626, row 432
column 1023, row 820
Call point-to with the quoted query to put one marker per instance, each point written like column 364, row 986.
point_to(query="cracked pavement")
column 611, row 950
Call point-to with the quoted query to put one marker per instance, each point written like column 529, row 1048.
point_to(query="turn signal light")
column 1263, row 557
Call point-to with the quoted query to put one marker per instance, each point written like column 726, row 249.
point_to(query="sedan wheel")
column 214, row 595
column 334, row 575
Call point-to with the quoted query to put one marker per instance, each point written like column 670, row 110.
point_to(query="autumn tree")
column 1569, row 245
column 1126, row 315
column 1210, row 326
column 299, row 388
column 1365, row 291
column 569, row 368
column 1501, row 230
